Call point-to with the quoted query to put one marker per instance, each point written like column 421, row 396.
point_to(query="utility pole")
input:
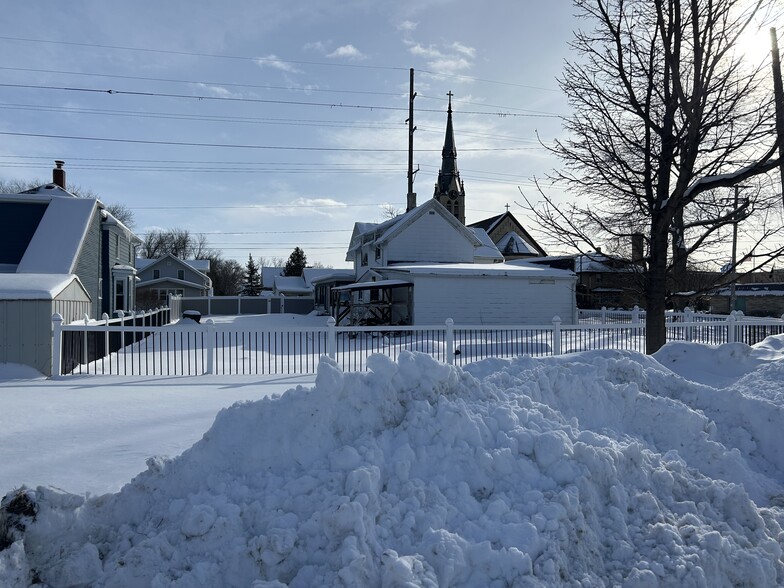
column 734, row 251
column 411, row 196
column 779, row 94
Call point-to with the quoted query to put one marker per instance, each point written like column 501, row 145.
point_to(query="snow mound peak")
column 525, row 472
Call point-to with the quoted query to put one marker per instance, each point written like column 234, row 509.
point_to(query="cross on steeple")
column 450, row 101
column 507, row 207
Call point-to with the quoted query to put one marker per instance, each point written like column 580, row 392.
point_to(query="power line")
column 211, row 118
column 278, row 61
column 263, row 100
column 203, row 83
column 262, row 87
column 255, row 120
column 238, row 146
column 213, row 55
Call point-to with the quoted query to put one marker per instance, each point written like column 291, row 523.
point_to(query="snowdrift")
column 597, row 469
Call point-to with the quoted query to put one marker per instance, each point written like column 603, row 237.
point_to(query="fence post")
column 731, row 321
column 210, row 368
column 105, row 318
column 557, row 334
column 209, row 305
column 636, row 315
column 239, row 305
column 688, row 318
column 269, row 304
column 450, row 341
column 332, row 337
column 57, row 345
column 282, row 303
column 604, row 315
column 84, row 341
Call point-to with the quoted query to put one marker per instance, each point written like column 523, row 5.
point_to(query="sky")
column 596, row 468
column 270, row 125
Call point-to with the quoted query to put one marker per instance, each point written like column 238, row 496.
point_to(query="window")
column 119, row 295
column 364, row 258
column 180, row 274
column 156, row 274
column 378, row 253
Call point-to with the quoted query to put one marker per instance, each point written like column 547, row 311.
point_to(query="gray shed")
column 27, row 303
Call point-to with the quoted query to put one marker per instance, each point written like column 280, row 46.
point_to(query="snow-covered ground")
column 604, row 468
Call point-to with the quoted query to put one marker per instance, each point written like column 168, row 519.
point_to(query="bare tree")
column 179, row 242
column 122, row 213
column 389, row 211
column 667, row 116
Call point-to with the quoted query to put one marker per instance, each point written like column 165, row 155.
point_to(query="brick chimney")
column 58, row 174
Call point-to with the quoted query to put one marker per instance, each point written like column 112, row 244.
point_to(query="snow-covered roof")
column 484, row 269
column 488, row 249
column 291, row 284
column 57, row 240
column 381, row 232
column 770, row 289
column 148, row 283
column 34, row 286
column 373, row 285
column 594, row 262
column 200, row 265
column 315, row 275
column 268, row 274
column 513, row 244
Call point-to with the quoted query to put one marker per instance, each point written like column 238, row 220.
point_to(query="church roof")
column 513, row 244
column 522, row 244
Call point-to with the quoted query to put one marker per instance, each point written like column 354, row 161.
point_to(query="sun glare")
column 754, row 45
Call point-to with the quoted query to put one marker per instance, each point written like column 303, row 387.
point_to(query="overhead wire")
column 200, row 97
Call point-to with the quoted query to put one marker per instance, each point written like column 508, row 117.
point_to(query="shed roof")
column 35, row 286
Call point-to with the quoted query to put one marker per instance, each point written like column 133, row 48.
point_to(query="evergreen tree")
column 296, row 263
column 252, row 286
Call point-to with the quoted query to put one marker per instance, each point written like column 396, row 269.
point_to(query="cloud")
column 464, row 49
column 407, row 26
column 347, row 51
column 218, row 91
column 315, row 46
column 272, row 61
column 421, row 51
column 449, row 60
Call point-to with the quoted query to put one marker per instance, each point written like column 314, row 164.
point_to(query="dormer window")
column 364, row 258
column 378, row 253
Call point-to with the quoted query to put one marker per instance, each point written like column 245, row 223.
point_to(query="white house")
column 425, row 266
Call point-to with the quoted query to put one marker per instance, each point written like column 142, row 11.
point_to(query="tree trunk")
column 656, row 291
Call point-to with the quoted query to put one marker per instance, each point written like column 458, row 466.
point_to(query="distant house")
column 63, row 254
column 425, row 266
column 169, row 275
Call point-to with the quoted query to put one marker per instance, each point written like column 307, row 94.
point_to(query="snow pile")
column 589, row 470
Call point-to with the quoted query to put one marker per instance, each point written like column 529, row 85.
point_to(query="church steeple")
column 449, row 188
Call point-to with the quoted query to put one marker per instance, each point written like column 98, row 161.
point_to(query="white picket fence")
column 211, row 348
